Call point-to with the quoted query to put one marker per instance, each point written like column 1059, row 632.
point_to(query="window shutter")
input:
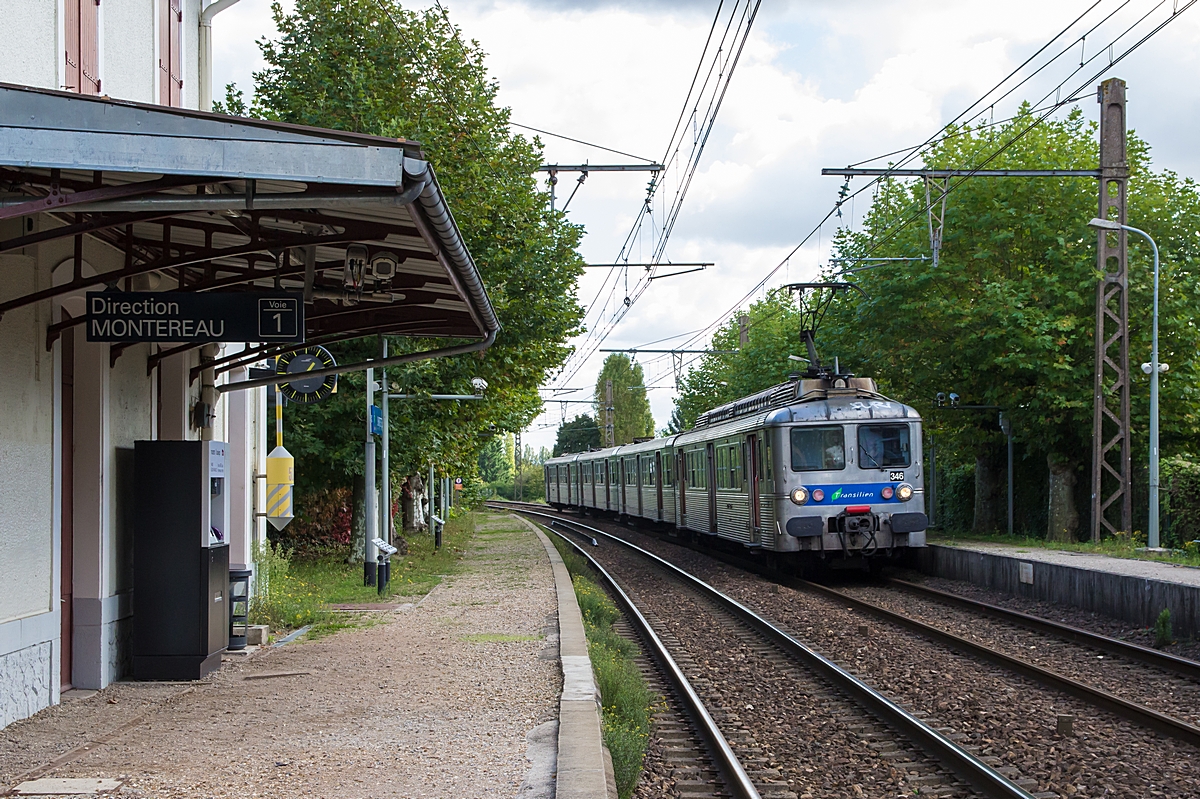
column 170, row 52
column 89, row 46
column 71, row 31
column 175, row 22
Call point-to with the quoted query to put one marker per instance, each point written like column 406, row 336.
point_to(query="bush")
column 1180, row 501
column 322, row 523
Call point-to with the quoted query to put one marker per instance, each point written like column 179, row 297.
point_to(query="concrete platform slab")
column 1134, row 591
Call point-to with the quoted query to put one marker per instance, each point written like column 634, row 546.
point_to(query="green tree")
column 631, row 408
column 773, row 333
column 1007, row 317
column 494, row 463
column 577, row 435
column 373, row 67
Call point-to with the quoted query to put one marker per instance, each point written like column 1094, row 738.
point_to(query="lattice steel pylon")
column 1111, row 469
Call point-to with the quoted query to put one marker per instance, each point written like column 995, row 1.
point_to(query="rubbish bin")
column 239, row 607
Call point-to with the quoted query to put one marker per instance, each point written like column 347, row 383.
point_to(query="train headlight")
column 904, row 491
column 800, row 495
column 888, row 492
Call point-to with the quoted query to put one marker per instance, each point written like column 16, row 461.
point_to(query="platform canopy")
column 202, row 202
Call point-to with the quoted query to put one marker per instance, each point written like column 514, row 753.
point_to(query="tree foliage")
column 1007, row 317
column 373, row 67
column 577, row 435
column 631, row 408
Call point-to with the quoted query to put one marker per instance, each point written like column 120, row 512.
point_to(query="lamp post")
column 1152, row 368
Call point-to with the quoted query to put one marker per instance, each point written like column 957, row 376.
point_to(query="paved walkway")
column 448, row 698
column 1148, row 569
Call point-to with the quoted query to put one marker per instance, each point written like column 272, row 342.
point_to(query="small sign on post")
column 376, row 420
column 281, row 477
column 458, row 484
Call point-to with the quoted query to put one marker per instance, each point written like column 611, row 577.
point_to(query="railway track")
column 798, row 724
column 1137, row 721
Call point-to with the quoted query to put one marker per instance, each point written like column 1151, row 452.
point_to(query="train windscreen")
column 818, row 449
column 883, row 446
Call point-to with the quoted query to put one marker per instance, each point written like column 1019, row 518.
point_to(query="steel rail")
column 966, row 766
column 727, row 761
column 1144, row 654
column 1139, row 714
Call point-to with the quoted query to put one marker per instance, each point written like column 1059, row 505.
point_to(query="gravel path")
column 435, row 701
column 1006, row 716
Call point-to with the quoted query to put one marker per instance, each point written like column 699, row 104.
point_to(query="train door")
column 711, row 482
column 681, row 470
column 639, row 470
column 751, row 453
column 594, row 475
column 659, row 483
column 624, row 499
column 570, row 468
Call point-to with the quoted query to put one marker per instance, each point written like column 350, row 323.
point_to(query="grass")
column 297, row 592
column 626, row 701
column 1117, row 546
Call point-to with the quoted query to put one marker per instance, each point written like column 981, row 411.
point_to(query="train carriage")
column 821, row 466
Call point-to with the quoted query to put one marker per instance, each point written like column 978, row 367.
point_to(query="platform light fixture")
column 1153, row 369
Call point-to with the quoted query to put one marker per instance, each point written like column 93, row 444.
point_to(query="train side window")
column 817, row 449
column 882, row 446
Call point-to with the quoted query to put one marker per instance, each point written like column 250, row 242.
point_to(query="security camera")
column 383, row 268
column 1162, row 367
column 479, row 384
column 941, row 399
column 953, row 400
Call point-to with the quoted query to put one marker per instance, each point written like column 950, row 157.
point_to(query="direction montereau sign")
column 186, row 317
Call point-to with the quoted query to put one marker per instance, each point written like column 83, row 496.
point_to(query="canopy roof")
column 205, row 202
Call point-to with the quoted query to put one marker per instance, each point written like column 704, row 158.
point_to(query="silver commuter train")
column 823, row 465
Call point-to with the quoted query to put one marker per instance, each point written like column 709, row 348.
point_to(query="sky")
column 820, row 83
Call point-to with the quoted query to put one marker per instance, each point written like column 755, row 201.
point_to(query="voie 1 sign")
column 135, row 316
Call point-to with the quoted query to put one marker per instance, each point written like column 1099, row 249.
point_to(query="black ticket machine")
column 180, row 559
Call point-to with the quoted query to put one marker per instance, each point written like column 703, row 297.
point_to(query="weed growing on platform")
column 627, row 703
column 1162, row 630
column 281, row 598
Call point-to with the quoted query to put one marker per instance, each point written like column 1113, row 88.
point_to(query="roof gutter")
column 439, row 230
column 206, row 18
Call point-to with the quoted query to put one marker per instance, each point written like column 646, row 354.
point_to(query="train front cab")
column 851, row 487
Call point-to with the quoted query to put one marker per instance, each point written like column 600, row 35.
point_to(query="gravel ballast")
column 1006, row 716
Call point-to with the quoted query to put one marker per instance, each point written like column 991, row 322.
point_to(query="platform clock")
column 302, row 389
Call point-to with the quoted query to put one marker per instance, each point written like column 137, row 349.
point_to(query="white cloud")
column 821, row 83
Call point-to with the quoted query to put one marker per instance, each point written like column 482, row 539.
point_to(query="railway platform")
column 1135, row 591
column 459, row 693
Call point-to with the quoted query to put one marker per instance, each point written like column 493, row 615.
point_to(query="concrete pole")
column 369, row 512
column 386, row 490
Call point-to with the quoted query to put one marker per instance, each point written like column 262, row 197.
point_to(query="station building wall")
column 115, row 403
column 28, row 610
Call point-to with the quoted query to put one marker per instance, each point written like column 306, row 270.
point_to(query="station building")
column 113, row 180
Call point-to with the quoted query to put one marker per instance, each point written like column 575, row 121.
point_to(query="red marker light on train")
column 887, row 492
column 818, row 495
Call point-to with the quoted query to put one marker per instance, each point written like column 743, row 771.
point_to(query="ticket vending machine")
column 180, row 559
